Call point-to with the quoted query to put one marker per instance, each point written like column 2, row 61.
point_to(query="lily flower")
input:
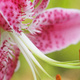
column 51, row 30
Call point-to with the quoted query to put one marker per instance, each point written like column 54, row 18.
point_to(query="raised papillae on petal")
column 8, row 60
column 57, row 29
column 41, row 5
column 11, row 12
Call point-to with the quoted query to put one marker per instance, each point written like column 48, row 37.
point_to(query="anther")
column 58, row 77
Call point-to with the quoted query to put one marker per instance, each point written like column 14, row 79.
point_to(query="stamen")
column 40, row 55
column 22, row 47
column 58, row 77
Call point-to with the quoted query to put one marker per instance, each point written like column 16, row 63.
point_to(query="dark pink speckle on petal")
column 8, row 60
column 42, row 5
column 11, row 13
column 56, row 29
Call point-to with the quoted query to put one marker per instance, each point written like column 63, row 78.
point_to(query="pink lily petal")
column 58, row 28
column 7, row 63
column 28, row 9
column 42, row 6
column 9, row 16
column 35, row 2
column 11, row 13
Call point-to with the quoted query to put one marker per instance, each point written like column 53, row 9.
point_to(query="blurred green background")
column 70, row 53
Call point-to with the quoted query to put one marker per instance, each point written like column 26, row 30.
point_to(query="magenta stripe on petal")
column 58, row 27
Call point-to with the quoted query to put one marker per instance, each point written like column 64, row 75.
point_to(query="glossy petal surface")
column 58, row 28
